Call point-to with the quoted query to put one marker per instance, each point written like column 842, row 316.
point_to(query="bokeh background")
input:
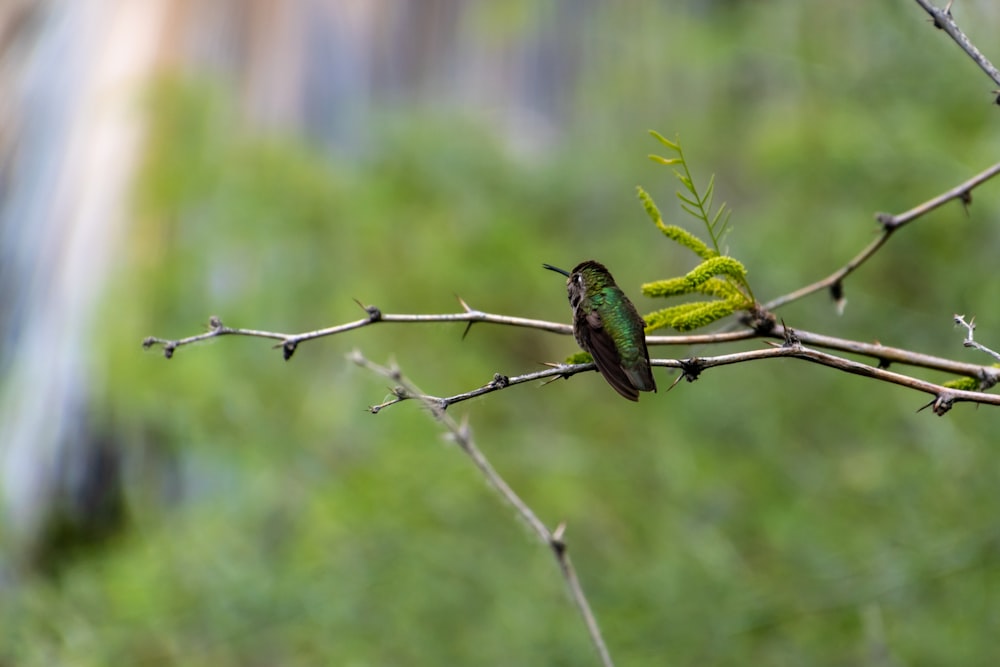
column 268, row 162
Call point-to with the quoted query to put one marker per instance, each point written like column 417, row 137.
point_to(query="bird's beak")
column 557, row 270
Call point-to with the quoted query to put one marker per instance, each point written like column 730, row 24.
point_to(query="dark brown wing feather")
column 641, row 376
column 593, row 338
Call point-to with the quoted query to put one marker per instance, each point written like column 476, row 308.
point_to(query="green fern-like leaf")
column 673, row 232
column 722, row 289
column 669, row 287
column 664, row 160
column 710, row 312
column 687, row 239
column 689, row 316
column 701, row 279
column 647, row 203
column 662, row 319
column 666, row 142
column 717, row 266
column 699, row 205
column 721, row 278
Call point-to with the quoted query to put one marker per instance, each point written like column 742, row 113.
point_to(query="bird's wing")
column 596, row 340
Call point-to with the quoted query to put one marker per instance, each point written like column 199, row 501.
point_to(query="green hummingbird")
column 608, row 326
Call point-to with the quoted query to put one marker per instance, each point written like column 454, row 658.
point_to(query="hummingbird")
column 608, row 326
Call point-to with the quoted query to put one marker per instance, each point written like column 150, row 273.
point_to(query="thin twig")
column 462, row 435
column 943, row 20
column 890, row 223
column 970, row 326
column 496, row 384
column 962, row 192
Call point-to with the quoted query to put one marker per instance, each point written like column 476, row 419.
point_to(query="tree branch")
column 943, row 20
column 987, row 375
column 289, row 342
column 944, row 397
column 498, row 382
column 461, row 434
column 890, row 223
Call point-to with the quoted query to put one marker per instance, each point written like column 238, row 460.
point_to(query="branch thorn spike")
column 680, row 376
column 560, row 530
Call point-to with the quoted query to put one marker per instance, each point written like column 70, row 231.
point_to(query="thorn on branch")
column 938, row 13
column 464, row 433
column 966, row 196
column 940, row 405
column 374, row 314
column 288, row 349
column 554, row 378
column 791, row 338
column 556, row 541
column 214, row 323
column 470, row 311
column 148, row 342
column 680, row 376
column 837, row 294
column 499, row 381
column 887, row 220
column 690, row 370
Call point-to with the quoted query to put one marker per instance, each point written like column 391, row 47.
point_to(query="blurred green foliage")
column 773, row 513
